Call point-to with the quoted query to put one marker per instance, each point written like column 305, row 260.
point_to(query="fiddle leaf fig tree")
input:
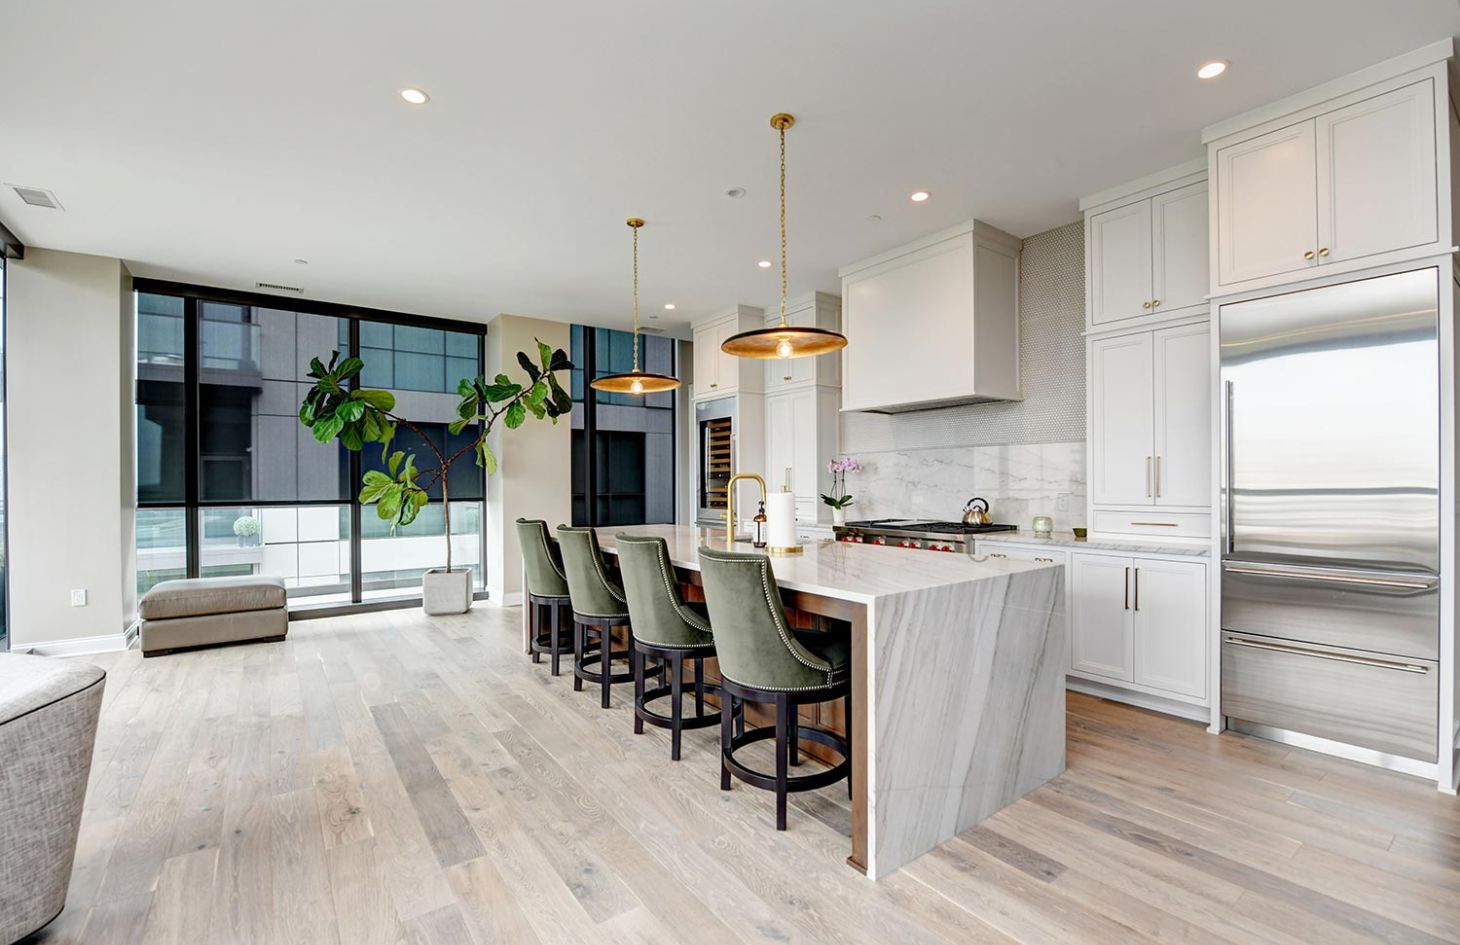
column 337, row 408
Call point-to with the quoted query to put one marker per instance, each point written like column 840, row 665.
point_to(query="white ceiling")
column 216, row 142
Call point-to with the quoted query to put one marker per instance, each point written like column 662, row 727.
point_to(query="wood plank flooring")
column 390, row 778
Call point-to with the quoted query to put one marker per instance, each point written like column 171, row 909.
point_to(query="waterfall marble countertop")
column 959, row 663
column 1067, row 539
column 841, row 570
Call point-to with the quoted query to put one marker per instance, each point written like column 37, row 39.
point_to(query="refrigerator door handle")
column 1410, row 585
column 1405, row 667
column 1227, row 524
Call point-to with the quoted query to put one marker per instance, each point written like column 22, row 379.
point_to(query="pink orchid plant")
column 837, row 498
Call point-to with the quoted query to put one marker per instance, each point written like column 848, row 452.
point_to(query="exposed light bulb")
column 783, row 348
column 637, row 387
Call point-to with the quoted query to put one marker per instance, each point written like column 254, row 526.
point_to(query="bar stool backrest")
column 659, row 616
column 592, row 593
column 540, row 566
column 753, row 641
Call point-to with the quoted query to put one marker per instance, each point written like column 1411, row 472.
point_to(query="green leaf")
column 389, row 504
column 351, row 439
column 503, row 391
column 349, row 368
column 463, row 387
column 456, row 426
column 350, row 411
column 502, row 379
column 395, row 461
column 326, row 428
column 306, row 412
column 516, row 413
column 379, row 399
column 544, row 354
column 560, row 361
column 528, row 366
column 486, row 458
column 316, row 369
column 376, row 483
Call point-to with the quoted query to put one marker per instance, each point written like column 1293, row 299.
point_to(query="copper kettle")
column 976, row 512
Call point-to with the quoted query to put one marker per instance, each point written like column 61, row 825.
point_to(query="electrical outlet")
column 78, row 597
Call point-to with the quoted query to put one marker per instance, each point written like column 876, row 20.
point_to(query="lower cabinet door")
column 1169, row 610
column 1100, row 616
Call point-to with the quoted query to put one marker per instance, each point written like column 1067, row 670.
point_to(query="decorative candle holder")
column 1043, row 526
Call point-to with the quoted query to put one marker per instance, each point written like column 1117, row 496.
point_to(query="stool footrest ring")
column 800, row 782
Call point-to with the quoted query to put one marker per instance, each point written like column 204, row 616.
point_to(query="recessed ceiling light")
column 668, row 306
column 735, row 193
column 1210, row 70
column 875, row 218
column 919, row 196
column 764, row 264
column 415, row 96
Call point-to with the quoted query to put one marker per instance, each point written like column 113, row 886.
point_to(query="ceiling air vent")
column 276, row 287
column 36, row 196
column 645, row 330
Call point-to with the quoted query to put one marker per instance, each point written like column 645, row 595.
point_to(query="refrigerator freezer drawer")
column 1384, row 704
column 1375, row 611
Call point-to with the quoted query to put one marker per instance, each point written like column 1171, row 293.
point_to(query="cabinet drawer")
column 1386, row 704
column 1156, row 522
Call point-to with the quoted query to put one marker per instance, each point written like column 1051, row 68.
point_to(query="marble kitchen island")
column 958, row 669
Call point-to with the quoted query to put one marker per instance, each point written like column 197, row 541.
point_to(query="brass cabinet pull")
column 1155, row 303
column 1159, row 525
column 1127, row 588
column 1148, row 477
column 1045, row 560
column 1158, row 477
column 1308, row 254
column 1323, row 251
column 714, row 385
column 786, row 377
column 1145, row 305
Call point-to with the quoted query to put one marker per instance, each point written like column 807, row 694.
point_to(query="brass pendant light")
column 635, row 381
column 784, row 340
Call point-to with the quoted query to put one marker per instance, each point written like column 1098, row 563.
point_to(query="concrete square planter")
column 446, row 592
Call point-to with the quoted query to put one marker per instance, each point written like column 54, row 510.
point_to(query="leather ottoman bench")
column 180, row 615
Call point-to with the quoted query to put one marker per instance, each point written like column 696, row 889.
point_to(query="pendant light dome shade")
column 784, row 340
column 635, row 381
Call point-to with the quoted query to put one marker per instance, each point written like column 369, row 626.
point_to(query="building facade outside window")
column 229, row 482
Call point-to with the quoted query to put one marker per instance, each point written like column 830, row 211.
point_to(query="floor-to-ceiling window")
column 623, row 444
column 229, row 482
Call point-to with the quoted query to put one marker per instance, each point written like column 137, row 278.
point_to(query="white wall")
column 534, row 476
column 70, row 364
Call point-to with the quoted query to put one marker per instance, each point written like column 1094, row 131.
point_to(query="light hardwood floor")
column 392, row 778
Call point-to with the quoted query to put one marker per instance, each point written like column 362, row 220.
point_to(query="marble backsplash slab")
column 1019, row 480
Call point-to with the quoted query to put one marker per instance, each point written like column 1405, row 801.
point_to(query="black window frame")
column 193, row 503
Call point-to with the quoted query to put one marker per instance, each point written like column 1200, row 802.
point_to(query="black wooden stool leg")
column 553, row 611
column 727, row 716
column 739, row 719
column 578, row 648
column 605, row 646
column 676, row 702
column 783, row 728
column 793, row 723
column 638, row 692
column 699, row 685
column 534, row 627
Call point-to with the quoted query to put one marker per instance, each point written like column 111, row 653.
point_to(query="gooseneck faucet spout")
column 730, row 504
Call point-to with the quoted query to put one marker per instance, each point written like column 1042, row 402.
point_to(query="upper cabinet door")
column 1120, row 263
column 727, row 366
column 1376, row 175
column 1267, row 205
column 1183, row 407
column 1180, row 258
column 1121, row 421
column 707, row 361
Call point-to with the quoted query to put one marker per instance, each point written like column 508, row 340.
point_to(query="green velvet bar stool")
column 547, row 591
column 669, row 629
column 598, row 608
column 764, row 660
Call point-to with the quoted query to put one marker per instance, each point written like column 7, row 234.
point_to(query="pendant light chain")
column 783, row 224
column 636, row 298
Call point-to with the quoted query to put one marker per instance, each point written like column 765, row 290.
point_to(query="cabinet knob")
column 1145, row 305
column 714, row 385
column 1308, row 254
column 1155, row 302
column 1323, row 251
column 786, row 377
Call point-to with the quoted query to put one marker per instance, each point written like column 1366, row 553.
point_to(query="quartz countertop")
column 840, row 570
column 1065, row 538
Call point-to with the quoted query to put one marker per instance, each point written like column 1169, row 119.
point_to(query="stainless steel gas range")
column 915, row 533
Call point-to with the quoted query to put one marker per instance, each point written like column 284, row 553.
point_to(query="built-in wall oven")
column 715, row 433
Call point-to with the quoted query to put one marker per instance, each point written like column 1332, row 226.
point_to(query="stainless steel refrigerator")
column 1331, row 518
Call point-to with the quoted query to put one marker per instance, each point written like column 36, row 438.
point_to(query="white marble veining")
column 1019, row 480
column 965, row 666
column 1135, row 546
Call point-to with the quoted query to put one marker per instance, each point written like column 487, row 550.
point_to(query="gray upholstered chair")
column 48, row 713
column 599, row 608
column 547, row 590
column 667, row 628
column 764, row 660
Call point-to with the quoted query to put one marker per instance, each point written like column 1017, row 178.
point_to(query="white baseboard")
column 82, row 646
column 513, row 599
column 1140, row 699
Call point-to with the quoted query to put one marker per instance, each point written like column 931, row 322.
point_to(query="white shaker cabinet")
column 1101, row 631
column 1150, row 418
column 791, row 447
column 1148, row 257
column 1120, row 262
column 1358, row 180
column 718, row 374
column 1179, row 253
